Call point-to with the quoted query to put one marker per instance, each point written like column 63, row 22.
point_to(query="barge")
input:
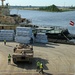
column 57, row 34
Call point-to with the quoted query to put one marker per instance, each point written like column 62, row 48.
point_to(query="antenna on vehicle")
column 2, row 2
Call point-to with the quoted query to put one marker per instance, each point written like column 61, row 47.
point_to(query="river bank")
column 48, row 19
column 64, row 9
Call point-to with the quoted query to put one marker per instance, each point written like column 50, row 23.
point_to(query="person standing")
column 15, row 48
column 4, row 42
column 31, row 40
column 9, row 59
column 38, row 66
column 41, row 68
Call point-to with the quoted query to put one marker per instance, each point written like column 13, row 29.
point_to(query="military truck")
column 23, row 52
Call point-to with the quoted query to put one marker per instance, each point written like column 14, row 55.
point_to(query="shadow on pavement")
column 47, row 73
column 44, row 45
column 9, row 46
column 30, row 66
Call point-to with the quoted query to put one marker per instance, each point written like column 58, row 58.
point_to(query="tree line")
column 51, row 8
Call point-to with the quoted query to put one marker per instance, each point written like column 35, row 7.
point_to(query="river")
column 42, row 18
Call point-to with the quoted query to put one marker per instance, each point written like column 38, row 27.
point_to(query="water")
column 42, row 18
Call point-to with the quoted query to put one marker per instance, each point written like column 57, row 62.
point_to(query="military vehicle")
column 7, row 19
column 23, row 52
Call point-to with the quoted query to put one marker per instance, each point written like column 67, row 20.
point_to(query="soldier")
column 15, row 48
column 41, row 68
column 31, row 40
column 4, row 42
column 38, row 66
column 9, row 59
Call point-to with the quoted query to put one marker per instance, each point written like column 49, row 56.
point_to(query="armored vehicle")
column 23, row 52
column 10, row 21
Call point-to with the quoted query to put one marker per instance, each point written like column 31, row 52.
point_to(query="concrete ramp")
column 24, row 73
column 19, row 74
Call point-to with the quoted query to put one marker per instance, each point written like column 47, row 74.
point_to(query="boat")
column 11, row 21
column 57, row 34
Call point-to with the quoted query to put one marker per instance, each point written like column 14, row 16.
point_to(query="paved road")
column 58, row 59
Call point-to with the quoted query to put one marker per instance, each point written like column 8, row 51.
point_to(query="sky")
column 40, row 2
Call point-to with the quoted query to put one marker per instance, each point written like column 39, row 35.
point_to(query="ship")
column 57, row 34
column 11, row 21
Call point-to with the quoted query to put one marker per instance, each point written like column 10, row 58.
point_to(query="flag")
column 71, row 23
